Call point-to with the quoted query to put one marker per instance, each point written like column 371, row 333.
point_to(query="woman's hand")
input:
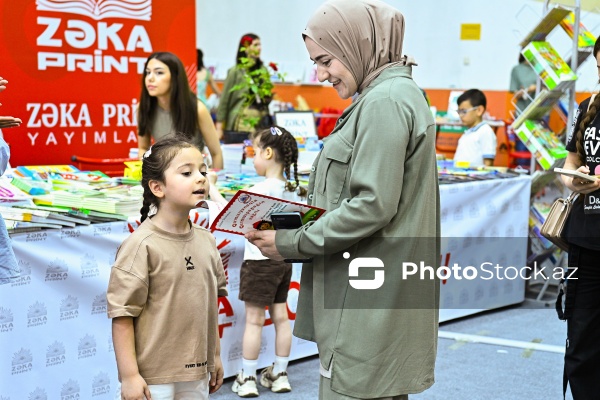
column 265, row 241
column 584, row 186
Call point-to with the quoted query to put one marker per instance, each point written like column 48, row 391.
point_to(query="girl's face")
column 331, row 69
column 262, row 158
column 253, row 50
column 158, row 78
column 185, row 183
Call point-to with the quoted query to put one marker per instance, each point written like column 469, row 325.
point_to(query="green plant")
column 256, row 86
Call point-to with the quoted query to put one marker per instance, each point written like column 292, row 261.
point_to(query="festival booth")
column 55, row 337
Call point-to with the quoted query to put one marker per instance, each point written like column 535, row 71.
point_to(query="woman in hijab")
column 377, row 178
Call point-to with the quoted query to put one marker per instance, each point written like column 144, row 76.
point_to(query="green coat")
column 377, row 178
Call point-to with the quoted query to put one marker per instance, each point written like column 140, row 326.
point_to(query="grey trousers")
column 325, row 393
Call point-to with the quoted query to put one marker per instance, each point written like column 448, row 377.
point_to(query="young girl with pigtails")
column 163, row 288
column 582, row 305
column 264, row 282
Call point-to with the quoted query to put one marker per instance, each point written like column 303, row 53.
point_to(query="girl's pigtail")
column 302, row 192
column 148, row 197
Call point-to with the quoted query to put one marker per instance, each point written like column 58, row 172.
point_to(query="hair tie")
column 276, row 131
column 148, row 152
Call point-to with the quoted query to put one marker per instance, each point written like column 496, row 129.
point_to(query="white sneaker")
column 245, row 387
column 277, row 383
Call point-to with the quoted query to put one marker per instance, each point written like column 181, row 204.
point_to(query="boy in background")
column 477, row 146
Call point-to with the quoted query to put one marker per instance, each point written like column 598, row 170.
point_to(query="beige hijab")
column 365, row 35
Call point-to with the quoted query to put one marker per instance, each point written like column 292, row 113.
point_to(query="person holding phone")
column 582, row 305
column 376, row 177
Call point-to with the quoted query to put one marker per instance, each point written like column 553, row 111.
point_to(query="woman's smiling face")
column 331, row 69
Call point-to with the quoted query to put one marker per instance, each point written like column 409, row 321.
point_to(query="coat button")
column 313, row 169
column 310, row 196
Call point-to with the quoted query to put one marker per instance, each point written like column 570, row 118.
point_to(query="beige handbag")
column 554, row 225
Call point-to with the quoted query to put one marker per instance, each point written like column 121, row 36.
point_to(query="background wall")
column 432, row 37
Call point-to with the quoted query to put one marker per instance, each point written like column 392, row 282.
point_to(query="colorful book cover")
column 546, row 62
column 585, row 39
column 248, row 211
column 544, row 144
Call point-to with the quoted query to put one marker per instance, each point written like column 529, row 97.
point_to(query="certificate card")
column 248, row 211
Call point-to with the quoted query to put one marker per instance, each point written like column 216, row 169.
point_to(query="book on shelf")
column 248, row 211
column 551, row 68
column 542, row 143
column 539, row 107
column 585, row 38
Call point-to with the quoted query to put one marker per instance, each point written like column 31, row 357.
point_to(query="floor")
column 515, row 353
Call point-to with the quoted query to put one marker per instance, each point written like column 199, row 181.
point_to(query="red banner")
column 74, row 71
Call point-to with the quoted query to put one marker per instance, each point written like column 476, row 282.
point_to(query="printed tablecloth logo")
column 55, row 354
column 99, row 304
column 38, row 394
column 70, row 390
column 57, row 270
column 87, row 346
column 24, row 277
column 36, row 237
column 235, row 351
column 69, row 308
column 22, row 361
column 70, row 233
column 37, row 314
column 100, row 384
column 102, row 230
column 111, row 347
column 6, row 320
column 89, row 266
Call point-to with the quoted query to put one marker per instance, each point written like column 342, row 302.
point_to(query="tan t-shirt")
column 169, row 284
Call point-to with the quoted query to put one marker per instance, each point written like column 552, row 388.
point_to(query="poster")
column 74, row 71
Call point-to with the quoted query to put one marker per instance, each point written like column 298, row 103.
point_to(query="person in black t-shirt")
column 582, row 305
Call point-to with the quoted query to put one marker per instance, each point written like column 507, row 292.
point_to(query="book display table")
column 55, row 337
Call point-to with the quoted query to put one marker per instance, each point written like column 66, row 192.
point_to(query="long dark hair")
column 246, row 41
column 183, row 105
column 199, row 59
column 285, row 148
column 588, row 118
column 154, row 164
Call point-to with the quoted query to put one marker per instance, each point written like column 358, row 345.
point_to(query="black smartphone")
column 288, row 220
